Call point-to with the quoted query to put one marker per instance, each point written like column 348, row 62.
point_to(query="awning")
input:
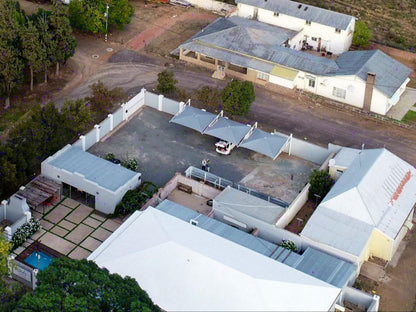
column 39, row 190
column 285, row 73
column 228, row 130
column 193, row 118
column 266, row 143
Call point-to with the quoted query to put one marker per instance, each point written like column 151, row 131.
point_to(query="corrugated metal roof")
column 318, row 264
column 390, row 74
column 231, row 199
column 345, row 157
column 93, row 168
column 303, row 11
column 378, row 190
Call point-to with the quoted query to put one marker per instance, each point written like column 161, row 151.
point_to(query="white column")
column 28, row 215
column 111, row 118
column 82, row 138
column 34, row 278
column 290, row 143
column 160, row 102
column 181, row 105
column 97, row 133
column 8, row 233
column 4, row 204
column 123, row 106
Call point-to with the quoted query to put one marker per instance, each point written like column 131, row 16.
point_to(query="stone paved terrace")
column 71, row 228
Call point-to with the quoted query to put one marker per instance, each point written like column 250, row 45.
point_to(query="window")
column 276, row 14
column 337, row 30
column 311, row 83
column 308, row 23
column 314, row 39
column 262, row 76
column 339, row 92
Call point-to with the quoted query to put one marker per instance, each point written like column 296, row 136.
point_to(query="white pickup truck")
column 224, row 148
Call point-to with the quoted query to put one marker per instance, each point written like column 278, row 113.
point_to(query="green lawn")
column 410, row 116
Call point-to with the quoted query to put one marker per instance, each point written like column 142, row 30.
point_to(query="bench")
column 184, row 188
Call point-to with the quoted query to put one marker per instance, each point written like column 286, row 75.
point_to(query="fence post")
column 123, row 106
column 160, row 102
column 4, row 204
column 205, row 177
column 8, row 233
column 181, row 105
column 97, row 133
column 82, row 138
column 111, row 118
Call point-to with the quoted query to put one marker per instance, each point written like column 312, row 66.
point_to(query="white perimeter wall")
column 212, row 5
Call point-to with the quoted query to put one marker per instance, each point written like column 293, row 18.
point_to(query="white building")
column 322, row 29
column 185, row 268
column 102, row 183
column 369, row 209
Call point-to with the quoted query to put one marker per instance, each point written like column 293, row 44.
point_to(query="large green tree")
column 362, row 34
column 47, row 42
column 78, row 116
column 63, row 37
column 120, row 13
column 237, row 97
column 79, row 285
column 31, row 49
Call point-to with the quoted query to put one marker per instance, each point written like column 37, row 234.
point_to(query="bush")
column 287, row 244
column 130, row 164
column 24, row 232
column 362, row 34
column 321, row 183
column 134, row 199
column 109, row 156
column 237, row 97
column 103, row 99
column 209, row 96
column 166, row 83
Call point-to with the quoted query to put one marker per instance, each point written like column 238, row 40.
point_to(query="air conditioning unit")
column 193, row 222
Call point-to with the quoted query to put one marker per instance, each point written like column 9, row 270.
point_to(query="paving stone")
column 110, row 225
column 26, row 244
column 59, row 244
column 92, row 222
column 38, row 234
column 79, row 233
column 97, row 217
column 46, row 225
column 19, row 250
column 91, row 243
column 79, row 253
column 57, row 214
column 67, row 225
column 79, row 214
column 59, row 231
column 36, row 215
column 101, row 234
column 71, row 203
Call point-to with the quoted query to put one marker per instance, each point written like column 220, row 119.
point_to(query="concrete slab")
column 79, row 253
column 101, row 234
column 79, row 233
column 36, row 215
column 407, row 100
column 19, row 250
column 38, row 234
column 59, row 231
column 92, row 222
column 110, row 225
column 57, row 214
column 67, row 225
column 191, row 201
column 372, row 271
column 79, row 214
column 70, row 203
column 59, row 244
column 91, row 244
column 46, row 225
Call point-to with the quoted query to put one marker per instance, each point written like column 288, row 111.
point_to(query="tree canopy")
column 237, row 97
column 80, row 285
column 321, row 183
column 166, row 82
column 361, row 35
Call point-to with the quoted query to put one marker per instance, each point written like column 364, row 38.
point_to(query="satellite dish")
column 332, row 162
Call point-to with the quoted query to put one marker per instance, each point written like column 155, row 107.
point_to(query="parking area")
column 163, row 148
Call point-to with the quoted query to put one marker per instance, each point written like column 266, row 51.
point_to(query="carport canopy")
column 228, row 130
column 193, row 118
column 265, row 143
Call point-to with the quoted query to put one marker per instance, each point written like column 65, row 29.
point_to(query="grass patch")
column 13, row 116
column 410, row 116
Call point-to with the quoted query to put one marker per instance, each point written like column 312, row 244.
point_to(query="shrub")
column 130, row 164
column 166, row 82
column 24, row 232
column 103, row 99
column 361, row 35
column 287, row 244
column 134, row 199
column 209, row 96
column 109, row 156
column 237, row 97
column 321, row 183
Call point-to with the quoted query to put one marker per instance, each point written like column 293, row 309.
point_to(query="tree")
column 208, row 96
column 290, row 245
column 321, row 183
column 47, row 42
column 5, row 249
column 361, row 35
column 64, row 39
column 120, row 13
column 32, row 51
column 78, row 116
column 237, row 97
column 80, row 285
column 103, row 99
column 166, row 82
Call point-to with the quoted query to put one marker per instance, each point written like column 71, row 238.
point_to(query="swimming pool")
column 44, row 260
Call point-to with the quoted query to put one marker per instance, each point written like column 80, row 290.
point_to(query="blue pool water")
column 44, row 260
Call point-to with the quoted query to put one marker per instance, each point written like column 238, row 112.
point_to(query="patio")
column 71, row 229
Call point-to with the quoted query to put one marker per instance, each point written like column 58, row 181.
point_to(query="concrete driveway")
column 407, row 100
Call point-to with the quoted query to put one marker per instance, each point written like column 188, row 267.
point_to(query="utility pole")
column 106, row 22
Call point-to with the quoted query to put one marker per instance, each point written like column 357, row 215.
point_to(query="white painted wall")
column 212, row 5
column 281, row 81
column 244, row 10
column 379, row 103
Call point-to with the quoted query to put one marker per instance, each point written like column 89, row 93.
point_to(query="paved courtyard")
column 163, row 148
column 72, row 229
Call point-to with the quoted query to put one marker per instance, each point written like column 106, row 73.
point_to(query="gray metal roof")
column 193, row 118
column 231, row 199
column 228, row 130
column 265, row 143
column 378, row 190
column 318, row 264
column 93, row 168
column 390, row 74
column 345, row 157
column 306, row 12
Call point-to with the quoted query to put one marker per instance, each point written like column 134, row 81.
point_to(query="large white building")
column 322, row 29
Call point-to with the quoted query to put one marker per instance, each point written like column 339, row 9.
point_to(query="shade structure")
column 265, row 143
column 228, row 130
column 193, row 118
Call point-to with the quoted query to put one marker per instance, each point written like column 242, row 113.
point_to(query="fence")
column 11, row 229
column 221, row 183
column 22, row 272
column 151, row 100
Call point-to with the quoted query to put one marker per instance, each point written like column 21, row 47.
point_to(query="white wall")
column 244, row 10
column 379, row 103
column 281, row 81
column 212, row 5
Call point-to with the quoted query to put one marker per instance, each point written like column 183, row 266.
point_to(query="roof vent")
column 299, row 6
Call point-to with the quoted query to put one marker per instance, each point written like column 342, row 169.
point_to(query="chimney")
column 369, row 85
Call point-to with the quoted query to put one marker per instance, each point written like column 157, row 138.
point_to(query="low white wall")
column 212, row 5
column 371, row 303
column 294, row 207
